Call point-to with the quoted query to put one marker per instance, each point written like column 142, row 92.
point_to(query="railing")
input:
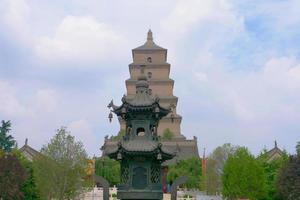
column 183, row 194
column 97, row 194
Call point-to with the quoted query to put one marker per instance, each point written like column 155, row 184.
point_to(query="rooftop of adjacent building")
column 274, row 153
column 27, row 150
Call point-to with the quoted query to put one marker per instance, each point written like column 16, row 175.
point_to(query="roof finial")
column 149, row 36
column 26, row 141
column 275, row 144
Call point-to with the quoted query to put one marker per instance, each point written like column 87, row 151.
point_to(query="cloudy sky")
column 236, row 66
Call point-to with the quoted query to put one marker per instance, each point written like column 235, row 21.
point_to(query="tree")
column 298, row 148
column 60, row 170
column 243, row 177
column 191, row 168
column 108, row 169
column 212, row 179
column 167, row 134
column 214, row 168
column 12, row 177
column 29, row 187
column 288, row 183
column 272, row 169
column 6, row 141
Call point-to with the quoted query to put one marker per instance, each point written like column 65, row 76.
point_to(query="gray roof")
column 183, row 148
column 29, row 152
column 271, row 155
column 139, row 144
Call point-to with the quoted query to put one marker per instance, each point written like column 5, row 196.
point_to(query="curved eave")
column 165, row 155
column 142, row 108
column 118, row 108
column 164, row 110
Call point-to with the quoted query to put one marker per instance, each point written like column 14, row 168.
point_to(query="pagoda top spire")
column 149, row 44
column 149, row 36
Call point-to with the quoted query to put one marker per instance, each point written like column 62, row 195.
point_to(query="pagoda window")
column 140, row 132
column 149, row 59
column 149, row 75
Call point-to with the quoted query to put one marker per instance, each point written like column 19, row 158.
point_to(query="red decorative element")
column 203, row 163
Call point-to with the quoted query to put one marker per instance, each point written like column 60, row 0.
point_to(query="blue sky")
column 61, row 62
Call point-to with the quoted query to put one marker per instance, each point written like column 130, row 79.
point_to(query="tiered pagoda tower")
column 157, row 70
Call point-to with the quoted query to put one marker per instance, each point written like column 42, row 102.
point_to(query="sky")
column 236, row 66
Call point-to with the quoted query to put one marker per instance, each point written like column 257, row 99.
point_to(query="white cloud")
column 251, row 108
column 81, row 129
column 283, row 72
column 201, row 76
column 37, row 114
column 16, row 13
column 9, row 101
column 276, row 10
column 294, row 72
column 46, row 100
column 80, row 38
column 259, row 95
column 236, row 104
column 188, row 14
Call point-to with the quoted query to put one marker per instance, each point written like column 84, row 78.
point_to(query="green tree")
column 167, row 134
column 272, row 169
column 298, row 148
column 288, row 182
column 7, row 142
column 191, row 168
column 214, row 168
column 60, row 170
column 108, row 169
column 243, row 177
column 29, row 187
column 12, row 177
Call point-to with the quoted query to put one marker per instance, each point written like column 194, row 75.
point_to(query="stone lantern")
column 140, row 152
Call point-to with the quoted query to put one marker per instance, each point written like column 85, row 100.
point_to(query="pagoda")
column 140, row 151
column 156, row 70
